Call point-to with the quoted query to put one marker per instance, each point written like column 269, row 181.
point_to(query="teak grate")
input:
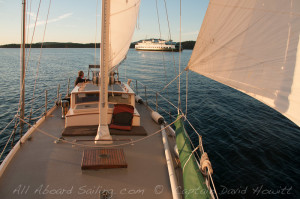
column 103, row 159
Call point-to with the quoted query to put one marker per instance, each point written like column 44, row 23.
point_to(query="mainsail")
column 253, row 46
column 123, row 17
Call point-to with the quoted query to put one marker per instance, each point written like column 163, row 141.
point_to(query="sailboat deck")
column 44, row 169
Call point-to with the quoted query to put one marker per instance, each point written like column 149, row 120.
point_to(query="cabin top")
column 89, row 87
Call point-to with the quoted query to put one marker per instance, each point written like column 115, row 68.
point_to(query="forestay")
column 123, row 19
column 253, row 46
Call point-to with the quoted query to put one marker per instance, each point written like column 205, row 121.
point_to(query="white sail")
column 253, row 46
column 123, row 19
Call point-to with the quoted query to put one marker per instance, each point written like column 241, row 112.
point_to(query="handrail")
column 29, row 116
column 12, row 133
column 36, row 96
column 156, row 93
column 170, row 166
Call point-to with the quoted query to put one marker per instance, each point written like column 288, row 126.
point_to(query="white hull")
column 156, row 45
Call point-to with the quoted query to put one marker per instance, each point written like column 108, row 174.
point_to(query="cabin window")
column 86, row 97
column 118, row 98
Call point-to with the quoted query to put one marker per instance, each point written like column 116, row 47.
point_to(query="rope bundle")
column 205, row 165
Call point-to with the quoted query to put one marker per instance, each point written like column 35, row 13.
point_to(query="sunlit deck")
column 44, row 169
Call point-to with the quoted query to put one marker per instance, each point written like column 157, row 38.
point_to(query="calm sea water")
column 255, row 151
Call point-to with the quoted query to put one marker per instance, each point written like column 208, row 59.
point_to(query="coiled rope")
column 205, row 164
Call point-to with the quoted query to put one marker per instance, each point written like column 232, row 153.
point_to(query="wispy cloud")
column 43, row 22
column 61, row 17
column 2, row 1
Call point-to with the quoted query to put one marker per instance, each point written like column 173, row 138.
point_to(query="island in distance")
column 185, row 45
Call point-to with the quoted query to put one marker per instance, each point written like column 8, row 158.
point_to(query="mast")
column 103, row 131
column 22, row 78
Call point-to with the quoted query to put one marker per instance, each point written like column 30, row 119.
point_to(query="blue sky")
column 75, row 20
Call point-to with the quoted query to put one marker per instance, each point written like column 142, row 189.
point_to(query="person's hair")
column 80, row 73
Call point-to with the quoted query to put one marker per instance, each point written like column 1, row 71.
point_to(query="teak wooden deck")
column 103, row 159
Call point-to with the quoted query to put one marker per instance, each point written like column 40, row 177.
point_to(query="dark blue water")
column 255, row 151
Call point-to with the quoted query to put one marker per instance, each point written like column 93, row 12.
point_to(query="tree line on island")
column 185, row 45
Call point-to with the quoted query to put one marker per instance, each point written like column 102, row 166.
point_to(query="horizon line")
column 73, row 42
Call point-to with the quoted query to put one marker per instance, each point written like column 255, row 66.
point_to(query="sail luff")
column 252, row 46
column 123, row 18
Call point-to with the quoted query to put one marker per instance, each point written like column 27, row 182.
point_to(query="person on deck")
column 80, row 78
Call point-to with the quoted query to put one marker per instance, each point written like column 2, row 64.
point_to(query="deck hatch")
column 103, row 159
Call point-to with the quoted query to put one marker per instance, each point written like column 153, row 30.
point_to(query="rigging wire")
column 33, row 33
column 162, row 109
column 186, row 91
column 7, row 125
column 179, row 60
column 6, row 144
column 180, row 111
column 189, row 158
column 138, row 21
column 14, row 132
column 171, row 82
column 158, row 19
column 166, row 10
column 163, row 56
column 39, row 60
column 29, row 19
